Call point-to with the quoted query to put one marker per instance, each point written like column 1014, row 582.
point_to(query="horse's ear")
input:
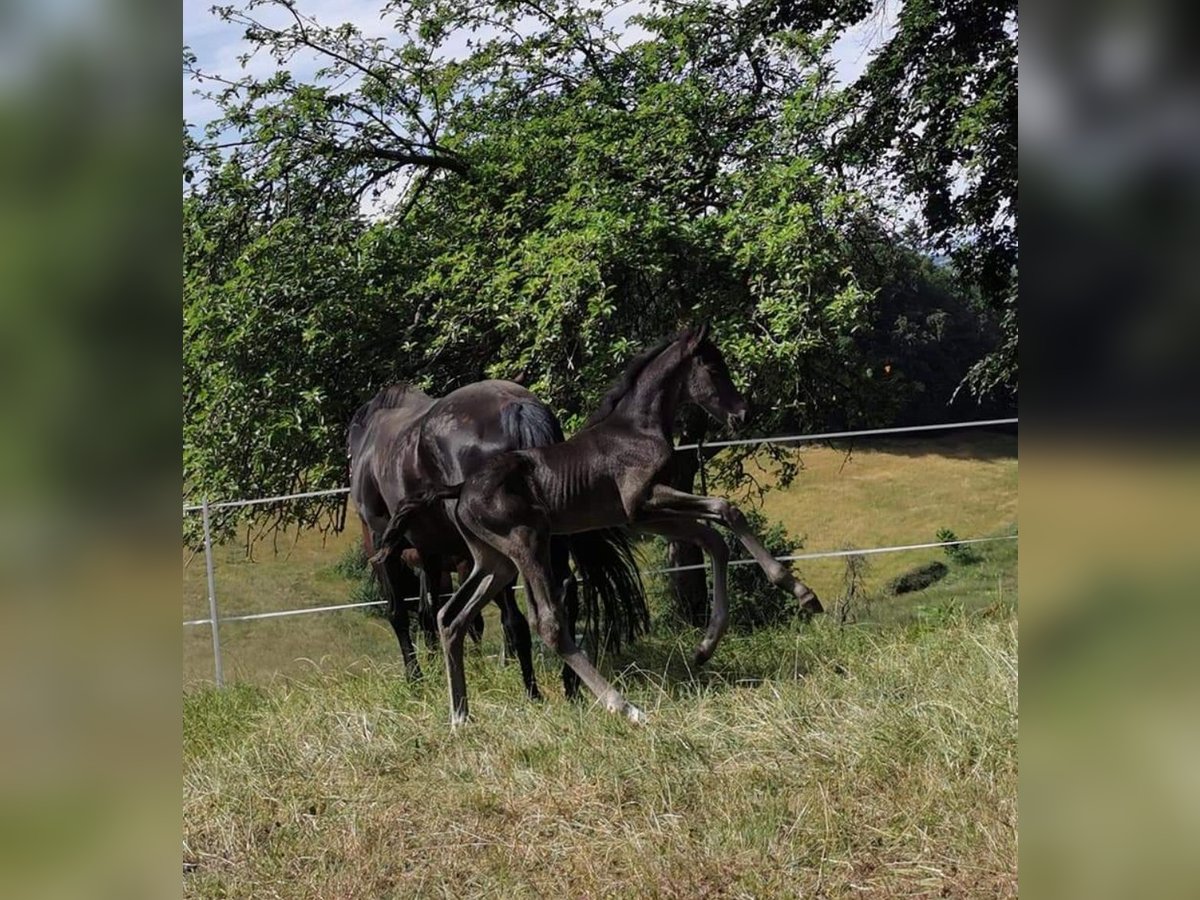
column 695, row 337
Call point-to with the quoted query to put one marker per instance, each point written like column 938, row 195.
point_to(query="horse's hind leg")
column 516, row 633
column 491, row 573
column 564, row 582
column 475, row 626
column 718, row 553
column 538, row 573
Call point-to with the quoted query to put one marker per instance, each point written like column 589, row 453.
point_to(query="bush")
column 352, row 565
column 917, row 579
column 958, row 553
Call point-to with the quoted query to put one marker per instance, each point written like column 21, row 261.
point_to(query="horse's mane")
column 389, row 397
column 628, row 378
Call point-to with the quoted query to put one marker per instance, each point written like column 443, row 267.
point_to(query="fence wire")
column 825, row 554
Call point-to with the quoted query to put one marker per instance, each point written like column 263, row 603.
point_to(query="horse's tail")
column 530, row 424
column 407, row 508
column 614, row 600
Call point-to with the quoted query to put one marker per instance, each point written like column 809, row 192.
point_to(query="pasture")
column 876, row 759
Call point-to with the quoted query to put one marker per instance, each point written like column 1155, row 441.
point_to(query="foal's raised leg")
column 714, row 547
column 667, row 500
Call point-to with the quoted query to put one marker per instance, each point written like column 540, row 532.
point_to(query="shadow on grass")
column 982, row 444
column 663, row 660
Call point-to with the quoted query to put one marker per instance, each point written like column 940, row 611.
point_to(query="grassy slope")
column 891, row 493
column 877, row 760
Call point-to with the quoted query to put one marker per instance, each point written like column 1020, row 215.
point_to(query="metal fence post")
column 212, row 597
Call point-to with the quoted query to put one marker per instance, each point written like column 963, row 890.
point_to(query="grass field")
column 872, row 760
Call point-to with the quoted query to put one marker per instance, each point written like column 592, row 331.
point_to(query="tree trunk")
column 691, row 587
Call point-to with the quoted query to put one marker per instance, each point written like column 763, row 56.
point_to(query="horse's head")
column 706, row 381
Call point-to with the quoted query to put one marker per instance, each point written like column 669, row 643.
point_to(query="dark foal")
column 607, row 474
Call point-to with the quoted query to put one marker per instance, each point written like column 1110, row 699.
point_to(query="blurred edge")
column 89, row 449
column 89, row 285
column 1110, row 482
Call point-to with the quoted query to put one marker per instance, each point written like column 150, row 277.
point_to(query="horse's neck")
column 652, row 402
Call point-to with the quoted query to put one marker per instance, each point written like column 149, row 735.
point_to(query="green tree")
column 938, row 107
column 563, row 199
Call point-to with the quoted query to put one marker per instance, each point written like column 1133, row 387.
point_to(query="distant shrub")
column 959, row 553
column 352, row 565
column 353, row 562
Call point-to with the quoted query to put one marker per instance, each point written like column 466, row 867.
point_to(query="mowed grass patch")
column 292, row 570
column 883, row 493
column 865, row 761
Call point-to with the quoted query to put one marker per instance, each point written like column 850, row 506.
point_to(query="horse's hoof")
column 635, row 715
column 701, row 656
column 809, row 602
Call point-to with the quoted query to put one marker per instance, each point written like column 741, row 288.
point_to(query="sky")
column 217, row 44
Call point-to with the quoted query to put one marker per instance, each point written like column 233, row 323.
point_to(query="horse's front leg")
column 397, row 614
column 667, row 500
column 430, row 572
column 517, row 636
column 536, row 569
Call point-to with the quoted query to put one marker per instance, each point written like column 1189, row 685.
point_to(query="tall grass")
column 817, row 760
column 874, row 757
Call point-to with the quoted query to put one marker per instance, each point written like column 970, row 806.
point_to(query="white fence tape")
column 825, row 554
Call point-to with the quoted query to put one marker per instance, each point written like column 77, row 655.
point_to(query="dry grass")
column 876, row 760
column 890, row 493
column 870, row 763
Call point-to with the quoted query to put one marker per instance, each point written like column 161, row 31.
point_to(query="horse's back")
column 480, row 420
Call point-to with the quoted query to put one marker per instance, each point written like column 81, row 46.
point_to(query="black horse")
column 402, row 441
column 610, row 473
